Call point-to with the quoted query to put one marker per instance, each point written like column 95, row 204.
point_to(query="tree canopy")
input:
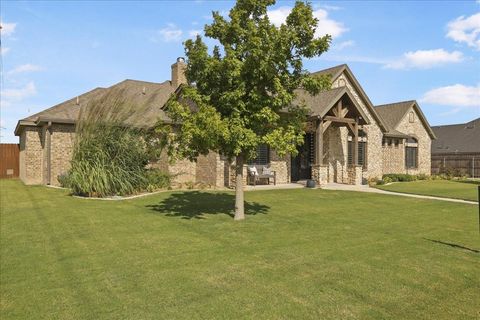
column 240, row 94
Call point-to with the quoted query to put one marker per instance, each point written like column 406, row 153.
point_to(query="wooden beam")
column 326, row 124
column 339, row 108
column 319, row 142
column 350, row 126
column 337, row 119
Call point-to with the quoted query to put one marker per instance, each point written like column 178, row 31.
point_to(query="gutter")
column 49, row 152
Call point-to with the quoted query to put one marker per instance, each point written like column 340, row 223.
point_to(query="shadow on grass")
column 195, row 204
column 453, row 245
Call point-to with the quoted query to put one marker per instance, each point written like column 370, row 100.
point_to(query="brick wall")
column 394, row 157
column 61, row 152
column 31, row 155
column 206, row 169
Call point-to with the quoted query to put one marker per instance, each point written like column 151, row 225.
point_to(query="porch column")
column 319, row 142
column 355, row 143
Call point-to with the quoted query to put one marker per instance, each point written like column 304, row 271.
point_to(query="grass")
column 465, row 190
column 303, row 254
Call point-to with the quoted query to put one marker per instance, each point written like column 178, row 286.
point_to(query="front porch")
column 330, row 153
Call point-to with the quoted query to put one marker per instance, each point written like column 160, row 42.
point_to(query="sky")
column 407, row 50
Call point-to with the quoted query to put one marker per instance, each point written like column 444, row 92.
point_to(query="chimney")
column 178, row 72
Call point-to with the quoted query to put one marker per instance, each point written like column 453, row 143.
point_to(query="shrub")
column 423, row 176
column 387, row 180
column 400, row 177
column 111, row 162
column 157, row 179
column 380, row 182
column 111, row 151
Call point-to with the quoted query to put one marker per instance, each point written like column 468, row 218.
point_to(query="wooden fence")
column 459, row 164
column 9, row 160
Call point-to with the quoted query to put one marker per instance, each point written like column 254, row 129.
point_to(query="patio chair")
column 259, row 172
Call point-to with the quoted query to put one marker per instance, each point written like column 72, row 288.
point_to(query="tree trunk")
column 239, row 203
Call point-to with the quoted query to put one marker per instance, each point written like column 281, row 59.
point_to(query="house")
column 342, row 129
column 457, row 148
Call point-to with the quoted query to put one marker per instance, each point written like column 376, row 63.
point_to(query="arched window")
column 362, row 149
column 411, row 153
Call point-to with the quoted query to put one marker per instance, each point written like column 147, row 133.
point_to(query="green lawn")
column 466, row 190
column 300, row 254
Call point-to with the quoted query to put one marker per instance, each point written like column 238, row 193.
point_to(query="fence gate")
column 9, row 160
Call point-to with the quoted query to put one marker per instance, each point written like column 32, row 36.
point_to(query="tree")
column 241, row 93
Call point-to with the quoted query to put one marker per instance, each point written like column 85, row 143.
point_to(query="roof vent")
column 78, row 100
column 144, row 90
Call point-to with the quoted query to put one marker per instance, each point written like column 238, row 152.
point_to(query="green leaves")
column 239, row 93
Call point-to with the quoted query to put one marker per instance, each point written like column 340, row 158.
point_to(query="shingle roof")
column 333, row 71
column 393, row 113
column 67, row 110
column 464, row 137
column 322, row 102
column 148, row 94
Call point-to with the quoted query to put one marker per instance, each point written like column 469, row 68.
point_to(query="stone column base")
column 354, row 175
column 320, row 174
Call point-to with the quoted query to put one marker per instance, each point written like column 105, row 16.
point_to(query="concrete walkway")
column 366, row 188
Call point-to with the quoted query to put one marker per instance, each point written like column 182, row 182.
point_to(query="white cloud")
column 20, row 93
column 325, row 24
column 343, row 45
column 170, row 33
column 4, row 51
column 457, row 95
column 7, row 28
column 194, row 33
column 465, row 30
column 25, row 68
column 425, row 59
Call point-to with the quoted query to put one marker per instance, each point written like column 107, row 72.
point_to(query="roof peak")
column 396, row 103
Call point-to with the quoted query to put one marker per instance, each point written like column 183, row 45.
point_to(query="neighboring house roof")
column 393, row 113
column 152, row 95
column 463, row 137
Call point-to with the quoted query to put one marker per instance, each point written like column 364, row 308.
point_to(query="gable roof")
column 463, row 137
column 152, row 95
column 393, row 113
column 336, row 71
column 322, row 102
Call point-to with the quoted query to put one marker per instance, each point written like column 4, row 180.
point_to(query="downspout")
column 49, row 152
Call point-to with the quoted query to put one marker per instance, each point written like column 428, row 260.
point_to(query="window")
column 411, row 153
column 362, row 149
column 263, row 155
column 411, row 117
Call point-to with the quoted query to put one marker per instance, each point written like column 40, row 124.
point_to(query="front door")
column 301, row 165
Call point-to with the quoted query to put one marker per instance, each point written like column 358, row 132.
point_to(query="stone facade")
column 417, row 130
column 373, row 168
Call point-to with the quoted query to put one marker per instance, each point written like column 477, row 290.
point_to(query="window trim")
column 411, row 144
